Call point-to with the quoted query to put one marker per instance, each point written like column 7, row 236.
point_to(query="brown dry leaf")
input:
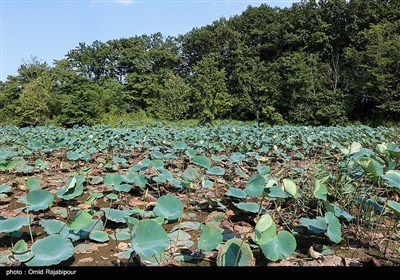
column 353, row 262
column 242, row 228
column 136, row 202
column 359, row 262
column 170, row 262
column 327, row 261
column 18, row 194
column 220, row 181
column 211, row 255
column 101, row 245
column 378, row 235
column 229, row 213
column 85, row 248
column 150, row 198
column 211, row 194
column 84, row 206
column 237, row 180
column 3, row 207
column 215, row 217
column 173, row 249
column 284, row 263
column 5, row 199
column 225, row 224
column 8, row 213
column 122, row 245
column 86, row 260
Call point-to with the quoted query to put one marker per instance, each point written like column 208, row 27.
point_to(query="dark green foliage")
column 173, row 101
column 211, row 99
column 322, row 62
column 84, row 106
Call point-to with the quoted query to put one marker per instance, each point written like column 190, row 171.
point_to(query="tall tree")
column 32, row 105
column 376, row 84
column 211, row 99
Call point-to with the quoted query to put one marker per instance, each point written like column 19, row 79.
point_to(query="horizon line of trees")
column 321, row 62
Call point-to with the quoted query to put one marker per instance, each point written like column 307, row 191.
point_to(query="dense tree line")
column 318, row 62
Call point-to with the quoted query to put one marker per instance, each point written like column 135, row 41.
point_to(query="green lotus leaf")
column 81, row 220
column 94, row 180
column 112, row 196
column 149, row 239
column 51, row 250
column 190, row 152
column 23, row 258
column 334, row 227
column 140, row 180
column 265, row 230
column 5, row 189
column 39, row 200
column 157, row 164
column 58, row 227
column 339, row 212
column 320, row 190
column 290, row 187
column 180, row 238
column 168, row 206
column 5, row 166
column 33, row 184
column 317, row 225
column 72, row 155
column 179, row 145
column 206, row 184
column 20, row 252
column 202, row 161
column 41, row 164
column 187, row 225
column 249, row 207
column 255, row 186
column 12, row 224
column 210, row 238
column 392, row 177
column 132, row 224
column 236, row 192
column 99, row 236
column 276, row 192
column 240, row 172
column 393, row 150
column 156, row 154
column 354, row 148
column 116, row 215
column 216, row 170
column 112, row 180
column 395, row 206
column 190, row 174
column 372, row 168
column 20, row 247
column 74, row 188
column 281, row 246
column 263, row 170
column 237, row 157
column 121, row 235
column 369, row 203
column 235, row 252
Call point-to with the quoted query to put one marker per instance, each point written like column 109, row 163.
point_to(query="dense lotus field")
column 226, row 195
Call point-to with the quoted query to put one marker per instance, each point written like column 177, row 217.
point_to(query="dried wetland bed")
column 227, row 195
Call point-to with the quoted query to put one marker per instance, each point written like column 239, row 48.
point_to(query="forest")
column 327, row 62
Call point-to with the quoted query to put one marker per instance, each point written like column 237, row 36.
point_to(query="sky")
column 48, row 29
